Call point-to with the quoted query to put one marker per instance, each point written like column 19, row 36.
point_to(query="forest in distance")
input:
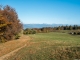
column 73, row 29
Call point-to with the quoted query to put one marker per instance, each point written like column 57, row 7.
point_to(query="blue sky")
column 46, row 11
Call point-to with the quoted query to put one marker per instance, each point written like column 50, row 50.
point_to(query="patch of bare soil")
column 9, row 48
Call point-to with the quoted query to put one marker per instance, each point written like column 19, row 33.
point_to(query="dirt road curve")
column 9, row 48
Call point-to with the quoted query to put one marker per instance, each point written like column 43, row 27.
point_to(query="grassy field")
column 50, row 46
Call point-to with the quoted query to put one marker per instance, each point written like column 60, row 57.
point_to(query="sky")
column 46, row 11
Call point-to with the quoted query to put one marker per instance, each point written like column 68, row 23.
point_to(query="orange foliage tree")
column 10, row 25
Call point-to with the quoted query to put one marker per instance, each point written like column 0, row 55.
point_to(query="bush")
column 78, row 33
column 17, row 36
column 34, row 32
column 29, row 31
column 2, row 40
column 75, row 33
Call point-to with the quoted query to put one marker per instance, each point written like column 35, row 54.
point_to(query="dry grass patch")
column 12, row 45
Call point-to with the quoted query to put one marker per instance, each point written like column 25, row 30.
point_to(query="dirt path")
column 11, row 53
column 9, row 48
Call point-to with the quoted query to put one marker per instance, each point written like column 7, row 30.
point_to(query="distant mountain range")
column 41, row 25
column 45, row 25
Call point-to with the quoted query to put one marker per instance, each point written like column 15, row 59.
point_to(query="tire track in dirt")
column 24, row 40
column 11, row 53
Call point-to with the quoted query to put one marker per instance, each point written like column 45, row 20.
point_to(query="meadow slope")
column 50, row 46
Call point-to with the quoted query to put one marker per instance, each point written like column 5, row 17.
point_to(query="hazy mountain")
column 41, row 25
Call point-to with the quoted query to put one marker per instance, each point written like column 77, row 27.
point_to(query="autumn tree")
column 10, row 25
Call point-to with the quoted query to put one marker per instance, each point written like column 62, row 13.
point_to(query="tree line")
column 10, row 25
column 50, row 29
column 74, row 27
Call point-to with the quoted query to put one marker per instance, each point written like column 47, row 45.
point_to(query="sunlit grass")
column 57, row 37
column 50, row 46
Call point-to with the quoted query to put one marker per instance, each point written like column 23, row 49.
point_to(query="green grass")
column 57, row 38
column 50, row 46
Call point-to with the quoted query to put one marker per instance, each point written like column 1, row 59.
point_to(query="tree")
column 75, row 27
column 10, row 25
column 70, row 27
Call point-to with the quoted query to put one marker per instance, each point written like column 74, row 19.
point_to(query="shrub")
column 34, row 32
column 29, row 31
column 17, row 36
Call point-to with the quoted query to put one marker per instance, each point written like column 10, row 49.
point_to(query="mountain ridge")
column 42, row 25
